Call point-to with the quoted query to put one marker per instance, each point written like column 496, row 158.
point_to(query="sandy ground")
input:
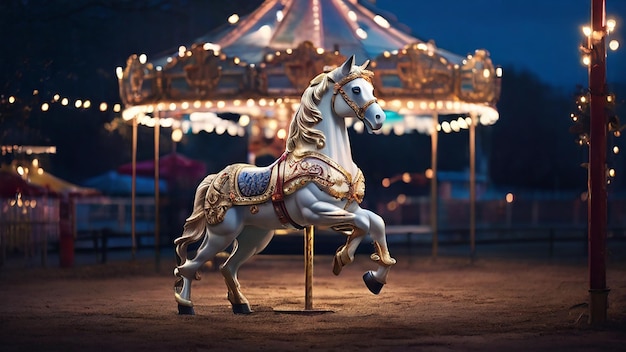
column 450, row 304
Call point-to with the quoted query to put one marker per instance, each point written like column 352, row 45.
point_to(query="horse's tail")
column 195, row 225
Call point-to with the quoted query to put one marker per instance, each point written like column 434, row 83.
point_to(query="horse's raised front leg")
column 376, row 279
column 345, row 253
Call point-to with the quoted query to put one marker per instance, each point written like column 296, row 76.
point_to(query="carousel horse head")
column 350, row 93
column 354, row 85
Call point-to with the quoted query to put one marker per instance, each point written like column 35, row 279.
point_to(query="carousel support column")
column 472, row 184
column 133, row 191
column 157, row 203
column 434, row 136
column 308, row 267
column 597, row 201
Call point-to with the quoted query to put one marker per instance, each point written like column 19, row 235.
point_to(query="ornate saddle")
column 245, row 184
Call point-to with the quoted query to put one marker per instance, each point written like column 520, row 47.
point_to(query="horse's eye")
column 356, row 90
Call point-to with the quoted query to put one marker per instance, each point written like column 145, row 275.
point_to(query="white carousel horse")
column 315, row 182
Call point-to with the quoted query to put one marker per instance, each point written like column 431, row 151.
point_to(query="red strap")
column 278, row 197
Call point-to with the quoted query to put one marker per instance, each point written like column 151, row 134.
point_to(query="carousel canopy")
column 259, row 65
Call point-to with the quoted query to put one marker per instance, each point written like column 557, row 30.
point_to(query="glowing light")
column 381, row 21
column 610, row 25
column 281, row 134
column 406, row 177
column 586, row 31
column 117, row 107
column 509, row 197
column 244, row 120
column 234, row 18
column 614, row 45
column 361, row 33
column 429, row 173
column 386, row 182
column 499, row 72
column 280, row 15
column 177, row 135
column 486, row 73
column 143, row 58
column 45, row 107
column 87, row 104
column 119, row 72
column 615, row 150
column 586, row 60
column 611, row 172
column 78, row 103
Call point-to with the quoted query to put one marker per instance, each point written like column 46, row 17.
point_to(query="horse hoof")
column 241, row 308
column 372, row 284
column 185, row 310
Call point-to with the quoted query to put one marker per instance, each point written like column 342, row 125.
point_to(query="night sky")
column 542, row 36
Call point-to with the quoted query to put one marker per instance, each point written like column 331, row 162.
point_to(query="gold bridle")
column 338, row 88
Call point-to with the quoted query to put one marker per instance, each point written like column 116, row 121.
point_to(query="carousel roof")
column 261, row 63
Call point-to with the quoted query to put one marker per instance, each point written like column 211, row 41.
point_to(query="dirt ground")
column 450, row 304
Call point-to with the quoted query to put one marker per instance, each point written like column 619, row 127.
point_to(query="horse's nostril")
column 377, row 117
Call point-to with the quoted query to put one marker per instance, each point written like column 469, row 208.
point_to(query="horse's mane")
column 308, row 115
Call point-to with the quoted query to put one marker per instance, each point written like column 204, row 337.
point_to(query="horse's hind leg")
column 211, row 245
column 251, row 241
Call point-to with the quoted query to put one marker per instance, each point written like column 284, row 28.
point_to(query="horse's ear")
column 365, row 64
column 347, row 66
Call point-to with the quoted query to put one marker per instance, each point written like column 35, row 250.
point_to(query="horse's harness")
column 338, row 88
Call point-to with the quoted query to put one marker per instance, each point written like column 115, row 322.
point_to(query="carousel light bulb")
column 119, row 72
column 11, row 99
column 586, row 31
column 611, row 172
column 78, row 103
column 45, row 107
column 143, row 58
column 381, row 21
column 614, row 44
column 615, row 150
column 103, row 106
column 244, row 120
column 234, row 18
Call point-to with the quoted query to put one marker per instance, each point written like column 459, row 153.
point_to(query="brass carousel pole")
column 472, row 184
column 308, row 267
column 133, row 191
column 434, row 135
column 157, row 256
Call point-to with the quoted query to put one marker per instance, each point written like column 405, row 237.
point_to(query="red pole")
column 597, row 206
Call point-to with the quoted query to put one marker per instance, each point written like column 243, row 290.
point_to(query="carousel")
column 258, row 65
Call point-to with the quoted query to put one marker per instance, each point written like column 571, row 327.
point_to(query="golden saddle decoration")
column 245, row 184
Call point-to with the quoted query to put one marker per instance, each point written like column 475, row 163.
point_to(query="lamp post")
column 597, row 177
